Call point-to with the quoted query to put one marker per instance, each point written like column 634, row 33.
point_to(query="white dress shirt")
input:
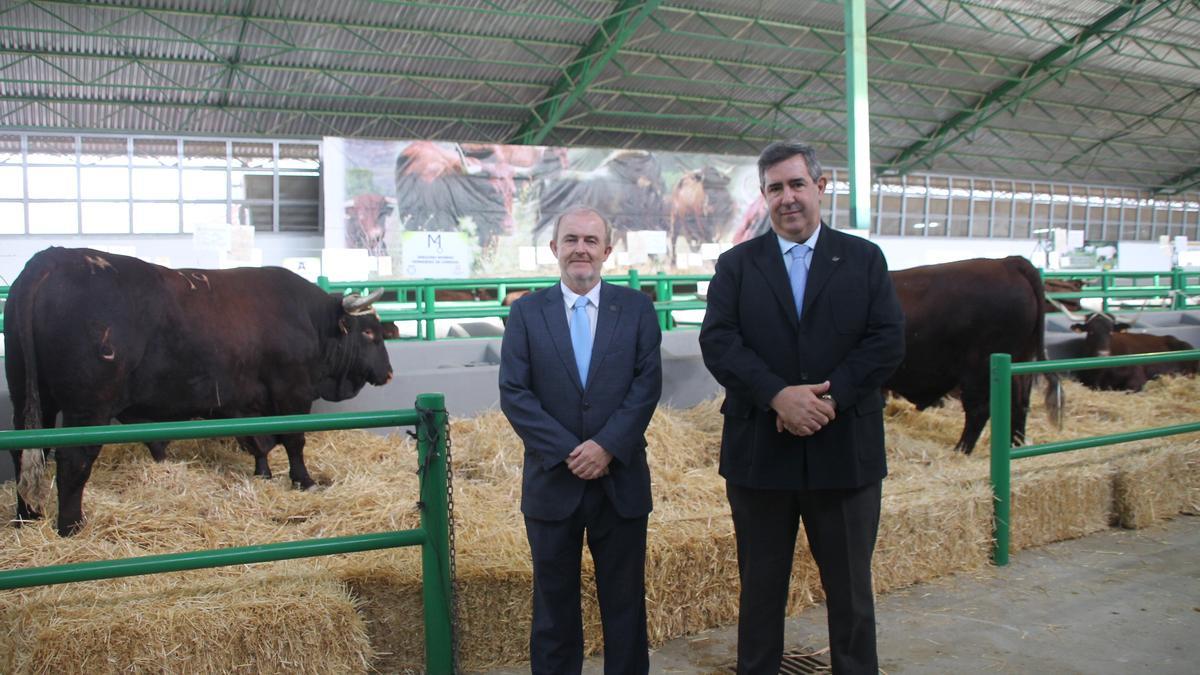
column 592, row 309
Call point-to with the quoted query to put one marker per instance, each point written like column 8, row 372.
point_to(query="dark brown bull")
column 957, row 315
column 98, row 336
column 1106, row 336
column 701, row 207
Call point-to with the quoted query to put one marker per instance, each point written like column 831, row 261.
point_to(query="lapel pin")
column 836, row 258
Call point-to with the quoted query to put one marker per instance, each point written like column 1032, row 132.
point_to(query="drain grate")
column 800, row 662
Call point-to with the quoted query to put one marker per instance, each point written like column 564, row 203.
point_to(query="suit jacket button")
column 804, row 376
column 587, row 406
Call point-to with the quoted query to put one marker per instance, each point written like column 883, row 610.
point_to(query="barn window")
column 70, row 184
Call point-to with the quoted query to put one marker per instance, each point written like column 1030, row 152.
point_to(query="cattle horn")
column 1069, row 314
column 357, row 304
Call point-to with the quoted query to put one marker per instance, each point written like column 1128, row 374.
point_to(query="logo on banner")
column 437, row 255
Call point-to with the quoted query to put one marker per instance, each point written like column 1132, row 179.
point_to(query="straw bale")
column 1149, row 487
column 935, row 519
column 923, row 536
column 1065, row 502
column 258, row 621
column 1191, row 479
column 691, row 576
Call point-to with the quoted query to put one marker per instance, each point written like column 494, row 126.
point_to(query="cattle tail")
column 33, row 484
column 1053, row 398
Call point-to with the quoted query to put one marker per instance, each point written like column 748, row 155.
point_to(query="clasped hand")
column 801, row 410
column 588, row 460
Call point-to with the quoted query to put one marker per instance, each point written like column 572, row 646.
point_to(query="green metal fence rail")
column 1002, row 372
column 433, row 536
column 426, row 310
column 1173, row 287
column 676, row 292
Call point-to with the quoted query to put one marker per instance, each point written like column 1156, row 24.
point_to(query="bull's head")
column 1099, row 328
column 366, row 222
column 356, row 356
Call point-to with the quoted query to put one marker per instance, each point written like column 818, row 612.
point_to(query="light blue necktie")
column 581, row 338
column 798, row 274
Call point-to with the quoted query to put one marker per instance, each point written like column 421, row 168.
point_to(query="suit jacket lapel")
column 607, row 315
column 769, row 261
column 826, row 258
column 555, row 314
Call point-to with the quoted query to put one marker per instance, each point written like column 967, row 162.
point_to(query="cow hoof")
column 305, row 485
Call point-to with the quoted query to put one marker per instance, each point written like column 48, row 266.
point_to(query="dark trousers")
column 618, row 547
column 841, row 526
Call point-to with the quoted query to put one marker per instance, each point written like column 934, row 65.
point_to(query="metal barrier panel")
column 429, row 417
column 1002, row 372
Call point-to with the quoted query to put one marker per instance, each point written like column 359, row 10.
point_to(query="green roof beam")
column 953, row 128
column 1182, row 182
column 605, row 43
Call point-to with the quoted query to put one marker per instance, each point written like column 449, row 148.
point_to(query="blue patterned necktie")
column 798, row 274
column 581, row 338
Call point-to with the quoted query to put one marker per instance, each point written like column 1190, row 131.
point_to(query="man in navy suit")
column 580, row 376
column 802, row 329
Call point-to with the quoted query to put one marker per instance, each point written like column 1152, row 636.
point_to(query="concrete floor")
column 1120, row 601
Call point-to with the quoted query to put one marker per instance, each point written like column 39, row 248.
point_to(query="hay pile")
column 362, row 612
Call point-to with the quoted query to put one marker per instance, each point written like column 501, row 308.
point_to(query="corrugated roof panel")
column 703, row 75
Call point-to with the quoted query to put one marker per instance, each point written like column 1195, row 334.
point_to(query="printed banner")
column 670, row 211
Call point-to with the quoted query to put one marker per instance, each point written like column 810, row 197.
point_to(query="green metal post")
column 857, row 114
column 323, row 282
column 662, row 291
column 1105, row 279
column 430, row 327
column 1001, row 397
column 435, row 522
column 1179, row 285
column 635, row 280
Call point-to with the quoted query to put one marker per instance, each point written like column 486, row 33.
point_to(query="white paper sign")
column 241, row 243
column 527, row 258
column 438, row 255
column 545, row 256
column 212, row 236
column 309, row 268
column 710, row 251
column 345, row 264
column 385, row 265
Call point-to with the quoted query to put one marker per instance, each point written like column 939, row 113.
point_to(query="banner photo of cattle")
column 423, row 209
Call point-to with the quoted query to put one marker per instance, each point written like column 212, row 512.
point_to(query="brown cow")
column 955, row 316
column 1106, row 336
column 701, row 207
column 366, row 222
column 1063, row 286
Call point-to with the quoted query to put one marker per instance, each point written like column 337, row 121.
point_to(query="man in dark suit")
column 802, row 328
column 580, row 376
